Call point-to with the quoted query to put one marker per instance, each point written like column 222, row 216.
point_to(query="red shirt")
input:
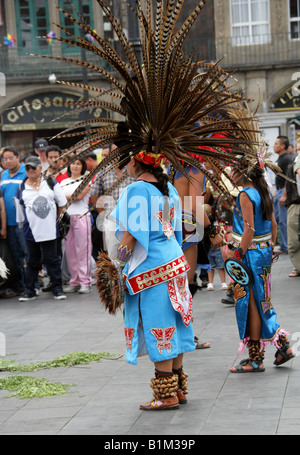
column 60, row 177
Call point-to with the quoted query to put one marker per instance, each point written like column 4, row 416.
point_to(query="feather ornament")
column 3, row 270
column 168, row 103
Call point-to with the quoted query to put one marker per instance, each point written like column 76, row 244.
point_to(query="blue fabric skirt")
column 259, row 261
column 153, row 327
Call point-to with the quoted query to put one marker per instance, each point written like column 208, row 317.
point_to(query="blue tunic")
column 258, row 258
column 152, row 325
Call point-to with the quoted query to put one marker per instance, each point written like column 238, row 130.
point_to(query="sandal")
column 294, row 274
column 285, row 357
column 256, row 367
column 201, row 345
column 163, row 404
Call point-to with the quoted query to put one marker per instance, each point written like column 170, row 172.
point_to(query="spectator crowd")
column 34, row 190
column 33, row 193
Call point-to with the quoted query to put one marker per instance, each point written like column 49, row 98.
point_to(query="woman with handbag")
column 78, row 242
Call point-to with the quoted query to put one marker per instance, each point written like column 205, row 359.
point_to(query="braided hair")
column 159, row 174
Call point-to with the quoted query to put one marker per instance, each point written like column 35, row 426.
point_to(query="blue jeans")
column 43, row 253
column 280, row 213
column 17, row 245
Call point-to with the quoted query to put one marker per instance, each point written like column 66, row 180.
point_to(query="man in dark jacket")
column 291, row 200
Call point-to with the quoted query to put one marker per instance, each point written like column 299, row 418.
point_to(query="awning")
column 295, row 120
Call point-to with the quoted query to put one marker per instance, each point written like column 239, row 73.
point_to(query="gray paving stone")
column 105, row 396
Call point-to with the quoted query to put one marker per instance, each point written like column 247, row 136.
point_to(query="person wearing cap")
column 39, row 201
column 53, row 154
column 40, row 148
column 11, row 178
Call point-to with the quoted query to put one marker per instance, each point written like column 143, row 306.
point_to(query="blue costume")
column 258, row 258
column 158, row 303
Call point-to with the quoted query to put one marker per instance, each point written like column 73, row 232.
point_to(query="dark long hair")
column 260, row 184
column 158, row 173
column 83, row 169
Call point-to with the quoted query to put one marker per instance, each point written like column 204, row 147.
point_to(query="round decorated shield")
column 238, row 271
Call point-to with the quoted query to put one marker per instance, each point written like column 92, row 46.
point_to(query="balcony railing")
column 241, row 53
column 28, row 68
column 259, row 51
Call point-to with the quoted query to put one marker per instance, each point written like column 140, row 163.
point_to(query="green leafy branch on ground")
column 68, row 360
column 31, row 387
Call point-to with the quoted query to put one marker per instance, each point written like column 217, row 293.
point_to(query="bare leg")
column 191, row 256
column 254, row 318
column 255, row 328
column 211, row 275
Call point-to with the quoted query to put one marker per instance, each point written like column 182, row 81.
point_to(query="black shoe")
column 59, row 296
column 27, row 297
column 228, row 301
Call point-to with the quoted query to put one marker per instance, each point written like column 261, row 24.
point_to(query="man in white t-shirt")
column 39, row 201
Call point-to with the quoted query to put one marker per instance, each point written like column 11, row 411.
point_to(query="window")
column 250, row 22
column 71, row 6
column 32, row 21
column 295, row 19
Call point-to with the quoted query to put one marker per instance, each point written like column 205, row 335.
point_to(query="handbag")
column 64, row 225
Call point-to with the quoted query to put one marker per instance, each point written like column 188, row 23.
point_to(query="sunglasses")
column 28, row 167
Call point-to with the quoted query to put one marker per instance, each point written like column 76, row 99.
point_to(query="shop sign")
column 52, row 110
column 289, row 100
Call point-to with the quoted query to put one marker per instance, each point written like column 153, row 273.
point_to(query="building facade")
column 32, row 104
column 258, row 40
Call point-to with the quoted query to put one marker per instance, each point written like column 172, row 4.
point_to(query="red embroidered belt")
column 158, row 275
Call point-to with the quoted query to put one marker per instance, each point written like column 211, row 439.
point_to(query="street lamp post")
column 133, row 32
column 83, row 57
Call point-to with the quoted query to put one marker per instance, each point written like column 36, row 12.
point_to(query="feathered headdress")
column 170, row 104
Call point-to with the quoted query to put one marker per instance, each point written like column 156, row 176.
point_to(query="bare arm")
column 128, row 240
column 81, row 195
column 248, row 218
column 3, row 218
column 96, row 202
column 274, row 229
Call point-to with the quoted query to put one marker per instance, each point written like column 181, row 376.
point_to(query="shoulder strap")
column 51, row 183
column 20, row 191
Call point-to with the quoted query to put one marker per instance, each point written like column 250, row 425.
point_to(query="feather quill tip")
column 3, row 270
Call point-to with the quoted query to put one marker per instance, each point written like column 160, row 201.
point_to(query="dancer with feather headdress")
column 167, row 102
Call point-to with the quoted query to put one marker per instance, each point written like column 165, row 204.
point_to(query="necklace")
column 36, row 184
column 144, row 172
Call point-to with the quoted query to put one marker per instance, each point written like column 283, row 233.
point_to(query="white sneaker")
column 210, row 287
column 69, row 289
column 85, row 290
column 224, row 287
column 59, row 296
